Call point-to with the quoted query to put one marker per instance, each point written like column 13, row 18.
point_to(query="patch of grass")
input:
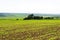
column 29, row 29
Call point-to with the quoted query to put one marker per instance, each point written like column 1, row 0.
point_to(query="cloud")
column 30, row 6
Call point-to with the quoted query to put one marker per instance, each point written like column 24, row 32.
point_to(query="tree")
column 17, row 19
column 37, row 17
column 49, row 18
column 30, row 16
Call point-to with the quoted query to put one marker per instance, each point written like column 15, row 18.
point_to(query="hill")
column 22, row 15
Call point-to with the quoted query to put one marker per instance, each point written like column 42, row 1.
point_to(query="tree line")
column 31, row 16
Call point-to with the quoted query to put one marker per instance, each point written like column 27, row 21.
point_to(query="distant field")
column 29, row 29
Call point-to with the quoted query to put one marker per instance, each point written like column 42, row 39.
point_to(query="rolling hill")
column 22, row 15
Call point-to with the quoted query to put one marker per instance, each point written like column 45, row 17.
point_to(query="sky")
column 30, row 6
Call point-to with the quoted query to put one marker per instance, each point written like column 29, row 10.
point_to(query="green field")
column 29, row 29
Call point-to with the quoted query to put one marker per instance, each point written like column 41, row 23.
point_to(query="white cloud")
column 30, row 6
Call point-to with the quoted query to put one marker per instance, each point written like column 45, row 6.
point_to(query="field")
column 29, row 29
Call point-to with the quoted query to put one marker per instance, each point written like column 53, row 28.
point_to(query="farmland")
column 29, row 29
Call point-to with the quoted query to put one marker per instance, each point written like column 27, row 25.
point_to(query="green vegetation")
column 32, row 16
column 29, row 29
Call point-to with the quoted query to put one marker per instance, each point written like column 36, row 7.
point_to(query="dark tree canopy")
column 37, row 17
column 17, row 19
column 49, row 18
column 31, row 16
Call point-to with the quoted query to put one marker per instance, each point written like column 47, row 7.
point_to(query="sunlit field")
column 29, row 29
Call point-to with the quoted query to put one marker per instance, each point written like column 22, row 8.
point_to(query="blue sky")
column 30, row 6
